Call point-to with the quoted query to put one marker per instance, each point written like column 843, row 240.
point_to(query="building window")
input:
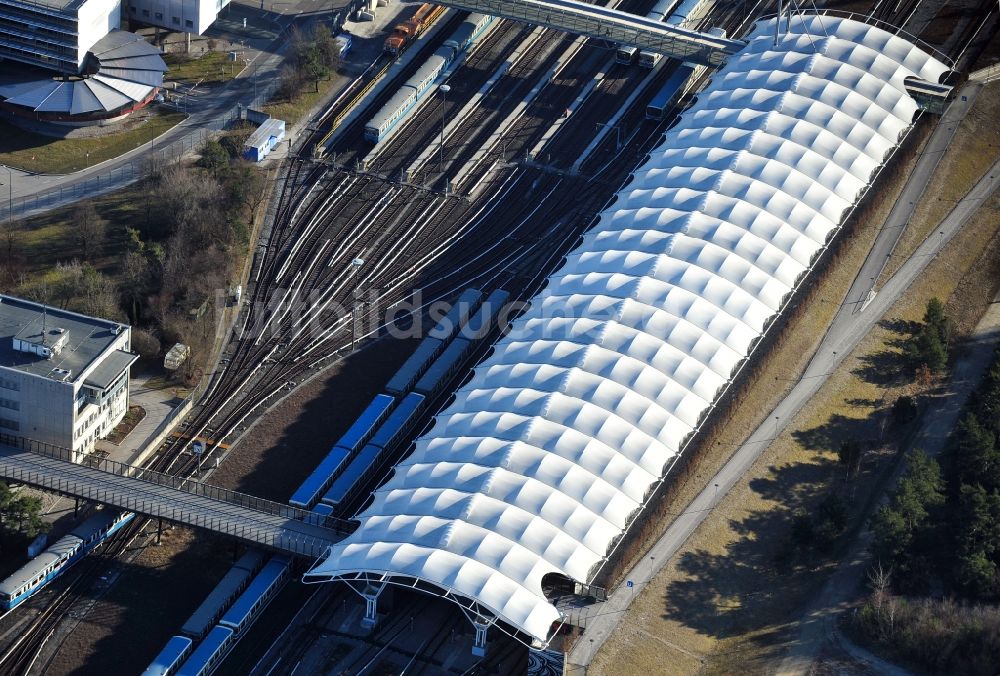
column 188, row 23
column 9, row 424
column 11, row 404
column 159, row 16
column 145, row 13
column 176, row 20
column 131, row 9
column 9, row 384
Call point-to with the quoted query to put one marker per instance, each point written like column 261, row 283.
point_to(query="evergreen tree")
column 20, row 513
column 850, row 454
column 929, row 344
column 935, row 318
column 977, row 524
column 902, row 529
column 904, row 410
column 977, row 457
column 987, row 403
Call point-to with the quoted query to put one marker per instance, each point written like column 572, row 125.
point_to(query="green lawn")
column 44, row 240
column 46, row 155
column 294, row 110
column 208, row 68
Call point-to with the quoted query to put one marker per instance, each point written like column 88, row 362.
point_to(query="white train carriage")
column 625, row 54
column 661, row 10
column 470, row 30
column 391, row 113
column 395, row 110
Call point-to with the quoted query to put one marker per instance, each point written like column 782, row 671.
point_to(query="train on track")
column 395, row 110
column 687, row 14
column 199, row 653
column 348, row 445
column 222, row 596
column 671, row 92
column 680, row 13
column 389, row 418
column 58, row 558
column 404, row 33
column 661, row 10
column 373, row 456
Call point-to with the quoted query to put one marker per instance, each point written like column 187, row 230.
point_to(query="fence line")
column 135, row 169
column 987, row 74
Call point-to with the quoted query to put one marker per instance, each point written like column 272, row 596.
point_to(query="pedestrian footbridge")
column 614, row 25
column 261, row 523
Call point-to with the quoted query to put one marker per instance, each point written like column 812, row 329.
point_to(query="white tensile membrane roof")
column 555, row 444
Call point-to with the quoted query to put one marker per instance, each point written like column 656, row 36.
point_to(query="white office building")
column 189, row 16
column 55, row 34
column 63, row 375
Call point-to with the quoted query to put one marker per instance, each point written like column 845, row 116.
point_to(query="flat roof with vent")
column 29, row 331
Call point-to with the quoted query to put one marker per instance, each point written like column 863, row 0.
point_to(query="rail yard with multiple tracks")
column 469, row 164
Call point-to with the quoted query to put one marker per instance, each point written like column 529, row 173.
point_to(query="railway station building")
column 63, row 375
column 530, row 477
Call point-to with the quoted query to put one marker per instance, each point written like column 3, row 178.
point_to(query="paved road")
column 207, row 112
column 820, row 620
column 902, row 210
column 846, row 331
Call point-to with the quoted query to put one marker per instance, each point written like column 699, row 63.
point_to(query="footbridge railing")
column 185, row 501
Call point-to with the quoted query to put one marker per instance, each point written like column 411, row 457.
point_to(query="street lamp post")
column 444, row 89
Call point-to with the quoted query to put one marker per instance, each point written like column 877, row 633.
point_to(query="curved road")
column 33, row 193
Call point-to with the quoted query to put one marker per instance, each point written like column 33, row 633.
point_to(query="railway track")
column 324, row 218
column 23, row 654
column 400, row 150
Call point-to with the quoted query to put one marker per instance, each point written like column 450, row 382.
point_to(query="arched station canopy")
column 544, row 458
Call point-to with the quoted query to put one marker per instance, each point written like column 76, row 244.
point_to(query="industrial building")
column 63, row 375
column 263, row 140
column 106, row 73
column 123, row 74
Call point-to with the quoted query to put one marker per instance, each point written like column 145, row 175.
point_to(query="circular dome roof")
column 121, row 69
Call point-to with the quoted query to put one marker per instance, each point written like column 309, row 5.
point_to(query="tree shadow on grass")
column 889, row 366
column 744, row 591
column 839, row 428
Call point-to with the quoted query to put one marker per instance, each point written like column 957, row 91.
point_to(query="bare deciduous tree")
column 88, row 229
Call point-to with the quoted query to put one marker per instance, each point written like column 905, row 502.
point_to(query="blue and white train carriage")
column 55, row 560
column 408, row 95
column 395, row 110
column 470, row 30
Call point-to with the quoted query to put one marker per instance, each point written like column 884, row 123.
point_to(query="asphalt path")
column 819, row 622
column 906, row 204
column 848, row 328
column 207, row 111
